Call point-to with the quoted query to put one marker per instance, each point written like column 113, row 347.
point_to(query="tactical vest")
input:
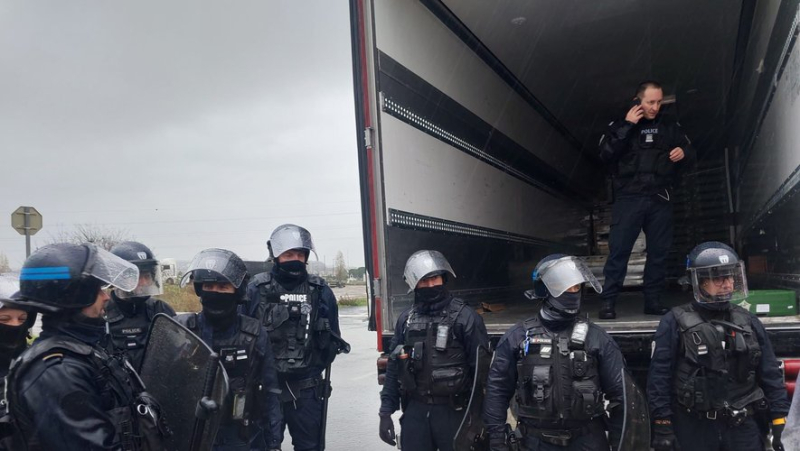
column 300, row 337
column 649, row 153
column 125, row 399
column 242, row 361
column 557, row 380
column 437, row 366
column 130, row 333
column 718, row 362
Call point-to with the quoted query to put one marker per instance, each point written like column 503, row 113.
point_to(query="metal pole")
column 27, row 223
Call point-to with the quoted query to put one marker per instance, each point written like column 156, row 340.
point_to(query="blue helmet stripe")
column 54, row 276
column 46, row 270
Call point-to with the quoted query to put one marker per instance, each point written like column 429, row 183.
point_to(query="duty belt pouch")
column 448, row 381
column 151, row 425
column 541, row 387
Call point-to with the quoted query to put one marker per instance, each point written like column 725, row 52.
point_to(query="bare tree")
column 339, row 267
column 104, row 237
column 4, row 265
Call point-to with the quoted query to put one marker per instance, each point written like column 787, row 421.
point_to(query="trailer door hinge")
column 368, row 137
column 376, row 288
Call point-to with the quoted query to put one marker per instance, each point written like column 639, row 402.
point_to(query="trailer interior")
column 479, row 123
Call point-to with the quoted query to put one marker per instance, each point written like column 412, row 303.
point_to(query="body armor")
column 130, row 332
column 300, row 337
column 558, row 386
column 123, row 397
column 718, row 361
column 437, row 370
column 242, row 363
column 649, row 153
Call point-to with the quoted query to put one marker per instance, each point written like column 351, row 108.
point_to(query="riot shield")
column 636, row 425
column 471, row 434
column 791, row 435
column 175, row 370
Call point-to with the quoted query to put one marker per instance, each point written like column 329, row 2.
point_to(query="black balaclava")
column 13, row 340
column 290, row 274
column 220, row 309
column 432, row 299
column 559, row 312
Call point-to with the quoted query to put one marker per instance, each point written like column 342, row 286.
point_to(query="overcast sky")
column 188, row 124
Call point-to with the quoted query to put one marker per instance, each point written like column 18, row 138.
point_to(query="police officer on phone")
column 433, row 357
column 713, row 368
column 646, row 152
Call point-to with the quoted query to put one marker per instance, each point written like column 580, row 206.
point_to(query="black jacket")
column 268, row 404
column 502, row 383
column 129, row 322
column 468, row 329
column 621, row 146
column 61, row 397
column 666, row 349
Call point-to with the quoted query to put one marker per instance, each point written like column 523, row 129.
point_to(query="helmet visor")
column 424, row 264
column 563, row 273
column 109, row 268
column 215, row 265
column 722, row 283
column 288, row 237
column 150, row 282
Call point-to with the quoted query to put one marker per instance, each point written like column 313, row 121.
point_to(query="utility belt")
column 734, row 416
column 290, row 388
column 458, row 402
column 560, row 434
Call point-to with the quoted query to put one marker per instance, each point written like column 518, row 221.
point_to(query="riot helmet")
column 150, row 283
column 216, row 266
column 423, row 264
column 66, row 276
column 289, row 236
column 716, row 273
column 555, row 274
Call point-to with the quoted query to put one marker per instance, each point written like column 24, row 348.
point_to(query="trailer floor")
column 630, row 315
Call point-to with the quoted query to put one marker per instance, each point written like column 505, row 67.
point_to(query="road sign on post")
column 27, row 221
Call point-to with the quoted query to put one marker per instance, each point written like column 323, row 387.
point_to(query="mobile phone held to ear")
column 636, row 102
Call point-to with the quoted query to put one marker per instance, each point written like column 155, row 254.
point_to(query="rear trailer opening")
column 478, row 127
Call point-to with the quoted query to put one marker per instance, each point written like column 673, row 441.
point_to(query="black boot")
column 653, row 307
column 607, row 310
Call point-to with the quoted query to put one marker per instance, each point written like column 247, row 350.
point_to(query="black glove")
column 498, row 442
column 386, row 430
column 663, row 435
column 777, row 431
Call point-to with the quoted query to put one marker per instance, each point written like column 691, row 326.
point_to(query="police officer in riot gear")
column 300, row 312
column 713, row 366
column 15, row 324
column 16, row 321
column 129, row 313
column 646, row 151
column 560, row 366
column 65, row 391
column 434, row 353
column 251, row 413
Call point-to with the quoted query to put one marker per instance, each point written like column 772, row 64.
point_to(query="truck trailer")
column 478, row 125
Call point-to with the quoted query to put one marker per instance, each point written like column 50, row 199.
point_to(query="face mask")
column 429, row 295
column 567, row 303
column 12, row 337
column 219, row 308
